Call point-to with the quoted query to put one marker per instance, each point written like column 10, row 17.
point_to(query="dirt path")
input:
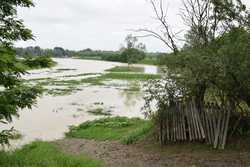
column 114, row 154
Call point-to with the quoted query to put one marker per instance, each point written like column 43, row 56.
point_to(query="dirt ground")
column 146, row 154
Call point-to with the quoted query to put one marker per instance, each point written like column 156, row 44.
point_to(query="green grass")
column 137, row 134
column 44, row 154
column 130, row 76
column 148, row 61
column 126, row 69
column 124, row 129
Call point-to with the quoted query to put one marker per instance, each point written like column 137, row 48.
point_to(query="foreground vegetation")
column 126, row 130
column 43, row 154
column 211, row 67
column 14, row 94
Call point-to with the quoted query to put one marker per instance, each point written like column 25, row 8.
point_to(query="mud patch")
column 115, row 154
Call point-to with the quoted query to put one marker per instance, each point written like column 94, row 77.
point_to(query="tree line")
column 132, row 52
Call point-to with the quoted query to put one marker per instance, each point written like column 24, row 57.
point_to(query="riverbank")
column 148, row 153
column 145, row 153
column 122, row 142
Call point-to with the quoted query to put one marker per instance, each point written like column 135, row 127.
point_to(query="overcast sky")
column 96, row 24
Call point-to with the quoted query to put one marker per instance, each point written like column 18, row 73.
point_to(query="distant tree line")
column 127, row 54
column 99, row 55
column 62, row 53
column 37, row 51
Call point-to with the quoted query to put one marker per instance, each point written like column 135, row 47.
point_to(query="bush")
column 39, row 62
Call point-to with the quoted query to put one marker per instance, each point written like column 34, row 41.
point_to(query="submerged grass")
column 16, row 135
column 44, row 154
column 99, row 111
column 62, row 91
column 66, row 87
column 80, row 75
column 126, row 130
column 66, row 69
column 98, row 80
column 107, row 76
column 93, row 80
column 126, row 69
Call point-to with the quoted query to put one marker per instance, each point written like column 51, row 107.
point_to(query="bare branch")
column 165, row 35
column 151, row 33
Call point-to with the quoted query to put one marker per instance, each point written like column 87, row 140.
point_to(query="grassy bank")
column 124, row 129
column 149, row 61
column 126, row 69
column 43, row 154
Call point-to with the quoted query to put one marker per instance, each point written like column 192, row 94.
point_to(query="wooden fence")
column 187, row 123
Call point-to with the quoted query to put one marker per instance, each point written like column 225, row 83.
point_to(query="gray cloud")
column 97, row 24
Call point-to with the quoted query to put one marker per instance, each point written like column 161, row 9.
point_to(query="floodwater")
column 51, row 117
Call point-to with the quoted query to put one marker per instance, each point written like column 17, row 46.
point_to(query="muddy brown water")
column 51, row 117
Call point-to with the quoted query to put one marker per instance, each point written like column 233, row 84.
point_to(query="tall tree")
column 133, row 52
column 14, row 94
column 207, row 20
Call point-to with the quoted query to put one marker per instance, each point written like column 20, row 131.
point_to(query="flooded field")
column 75, row 93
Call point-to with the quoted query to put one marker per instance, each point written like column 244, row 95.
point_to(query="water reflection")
column 148, row 69
column 131, row 94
